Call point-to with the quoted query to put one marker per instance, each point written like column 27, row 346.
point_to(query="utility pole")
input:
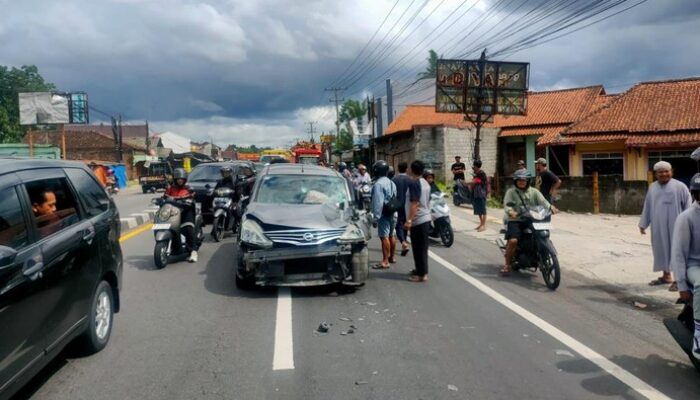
column 121, row 149
column 311, row 130
column 337, row 101
column 389, row 102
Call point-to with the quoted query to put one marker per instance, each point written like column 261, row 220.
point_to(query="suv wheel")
column 100, row 319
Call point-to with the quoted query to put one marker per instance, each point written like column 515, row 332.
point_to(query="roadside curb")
column 137, row 219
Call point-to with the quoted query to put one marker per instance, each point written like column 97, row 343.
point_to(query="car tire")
column 360, row 265
column 100, row 320
column 144, row 189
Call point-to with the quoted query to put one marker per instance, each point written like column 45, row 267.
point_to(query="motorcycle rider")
column 429, row 176
column 179, row 191
column 685, row 258
column 362, row 177
column 522, row 195
column 226, row 179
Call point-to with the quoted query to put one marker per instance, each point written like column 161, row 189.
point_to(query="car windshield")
column 269, row 159
column 302, row 189
column 158, row 169
column 202, row 173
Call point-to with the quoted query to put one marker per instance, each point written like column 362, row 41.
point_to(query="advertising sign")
column 37, row 108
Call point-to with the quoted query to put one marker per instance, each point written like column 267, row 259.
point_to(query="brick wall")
column 395, row 149
column 460, row 142
column 431, row 150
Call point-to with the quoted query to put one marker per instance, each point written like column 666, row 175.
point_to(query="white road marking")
column 284, row 342
column 586, row 352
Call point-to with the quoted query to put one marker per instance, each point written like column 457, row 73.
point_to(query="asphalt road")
column 186, row 332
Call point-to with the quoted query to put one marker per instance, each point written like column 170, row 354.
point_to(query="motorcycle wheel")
column 160, row 254
column 446, row 234
column 456, row 202
column 217, row 229
column 550, row 271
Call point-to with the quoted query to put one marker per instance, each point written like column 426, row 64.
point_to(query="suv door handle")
column 89, row 235
column 34, row 271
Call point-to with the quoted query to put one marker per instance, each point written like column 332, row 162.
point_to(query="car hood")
column 272, row 217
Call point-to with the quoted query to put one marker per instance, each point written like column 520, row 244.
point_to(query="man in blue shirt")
column 383, row 192
column 402, row 182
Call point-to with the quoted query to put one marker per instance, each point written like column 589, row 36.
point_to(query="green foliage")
column 494, row 202
column 431, row 70
column 12, row 81
column 353, row 109
column 343, row 141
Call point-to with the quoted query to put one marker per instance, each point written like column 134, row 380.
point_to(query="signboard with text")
column 460, row 90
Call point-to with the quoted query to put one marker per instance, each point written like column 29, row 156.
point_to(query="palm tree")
column 431, row 71
column 353, row 109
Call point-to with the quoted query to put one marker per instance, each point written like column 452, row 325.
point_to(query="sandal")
column 673, row 287
column 505, row 271
column 659, row 282
column 404, row 252
column 392, row 261
column 380, row 266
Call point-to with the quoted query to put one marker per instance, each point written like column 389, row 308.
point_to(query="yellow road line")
column 135, row 232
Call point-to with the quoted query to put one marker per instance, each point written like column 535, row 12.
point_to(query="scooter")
column 224, row 213
column 365, row 196
column 462, row 193
column 167, row 229
column 682, row 330
column 535, row 249
column 441, row 226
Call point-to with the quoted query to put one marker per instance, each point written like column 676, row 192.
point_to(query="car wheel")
column 243, row 282
column 160, row 254
column 100, row 319
column 144, row 189
column 360, row 265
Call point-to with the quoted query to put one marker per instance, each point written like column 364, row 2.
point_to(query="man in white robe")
column 665, row 200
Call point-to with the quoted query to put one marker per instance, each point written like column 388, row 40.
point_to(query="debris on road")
column 375, row 373
column 324, row 327
column 358, row 383
column 369, row 303
column 565, row 353
column 353, row 327
column 453, row 388
column 640, row 305
column 345, row 319
column 348, row 332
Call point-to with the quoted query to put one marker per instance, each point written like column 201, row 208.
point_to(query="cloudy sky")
column 253, row 71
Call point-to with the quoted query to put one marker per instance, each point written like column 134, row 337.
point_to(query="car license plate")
column 542, row 226
column 160, row 227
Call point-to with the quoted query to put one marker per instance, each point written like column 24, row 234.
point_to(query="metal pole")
column 121, row 149
column 479, row 98
column 63, row 141
column 31, row 141
column 596, row 194
column 389, row 103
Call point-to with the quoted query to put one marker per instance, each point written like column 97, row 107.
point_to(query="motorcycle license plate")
column 542, row 226
column 160, row 227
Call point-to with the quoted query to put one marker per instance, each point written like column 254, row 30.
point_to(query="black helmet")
column 521, row 174
column 380, row 168
column 391, row 173
column 695, row 182
column 226, row 171
column 427, row 173
column 179, row 173
column 342, row 166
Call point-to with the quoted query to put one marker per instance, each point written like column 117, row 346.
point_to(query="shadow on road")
column 523, row 278
column 671, row 377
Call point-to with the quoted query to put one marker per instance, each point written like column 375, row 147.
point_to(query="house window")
column 603, row 163
column 684, row 167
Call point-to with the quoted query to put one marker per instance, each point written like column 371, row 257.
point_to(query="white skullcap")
column 662, row 166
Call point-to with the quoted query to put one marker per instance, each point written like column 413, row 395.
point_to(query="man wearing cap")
column 665, row 200
column 547, row 182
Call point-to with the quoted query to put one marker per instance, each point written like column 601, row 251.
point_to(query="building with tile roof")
column 629, row 133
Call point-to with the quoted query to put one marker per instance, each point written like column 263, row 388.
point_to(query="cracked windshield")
column 378, row 199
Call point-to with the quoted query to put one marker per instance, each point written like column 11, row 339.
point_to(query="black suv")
column 300, row 229
column 60, row 264
column 204, row 177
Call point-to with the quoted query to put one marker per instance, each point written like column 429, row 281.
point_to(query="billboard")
column 459, row 87
column 36, row 108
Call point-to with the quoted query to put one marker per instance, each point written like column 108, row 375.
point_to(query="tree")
column 12, row 81
column 353, row 109
column 431, row 70
column 343, row 141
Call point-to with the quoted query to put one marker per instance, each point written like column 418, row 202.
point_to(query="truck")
column 307, row 155
column 266, row 156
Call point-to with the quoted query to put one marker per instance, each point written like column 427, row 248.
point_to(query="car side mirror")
column 7, row 256
column 510, row 204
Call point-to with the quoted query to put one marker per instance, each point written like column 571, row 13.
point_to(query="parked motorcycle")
column 167, row 229
column 224, row 213
column 441, row 227
column 462, row 193
column 682, row 330
column 535, row 249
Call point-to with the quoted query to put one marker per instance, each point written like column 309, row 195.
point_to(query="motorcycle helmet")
column 521, row 174
column 695, row 183
column 391, row 173
column 380, row 168
column 179, row 173
column 427, row 173
column 226, row 172
column 342, row 166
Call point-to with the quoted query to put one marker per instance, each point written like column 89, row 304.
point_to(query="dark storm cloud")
column 209, row 65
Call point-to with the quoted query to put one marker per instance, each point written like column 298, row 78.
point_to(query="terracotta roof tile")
column 532, row 131
column 425, row 115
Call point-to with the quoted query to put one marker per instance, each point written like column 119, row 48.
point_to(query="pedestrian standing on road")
column 418, row 221
column 479, row 187
column 458, row 168
column 402, row 182
column 546, row 182
column 665, row 200
column 383, row 192
column 685, row 258
column 520, row 166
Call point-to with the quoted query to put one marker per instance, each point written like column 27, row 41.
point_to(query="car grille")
column 304, row 237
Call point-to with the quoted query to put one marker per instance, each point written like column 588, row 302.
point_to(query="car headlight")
column 352, row 234
column 252, row 233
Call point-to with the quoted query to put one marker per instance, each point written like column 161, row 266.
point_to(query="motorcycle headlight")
column 365, row 189
column 352, row 234
column 252, row 233
column 164, row 213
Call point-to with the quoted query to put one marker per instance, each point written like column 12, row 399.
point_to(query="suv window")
column 53, row 205
column 13, row 227
column 94, row 197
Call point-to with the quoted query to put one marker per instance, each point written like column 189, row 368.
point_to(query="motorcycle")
column 441, row 227
column 462, row 193
column 111, row 185
column 224, row 213
column 682, row 329
column 535, row 249
column 365, row 196
column 167, row 229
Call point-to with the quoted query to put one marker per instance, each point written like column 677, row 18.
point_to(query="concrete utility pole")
column 380, row 125
column 311, row 129
column 389, row 103
column 336, row 100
